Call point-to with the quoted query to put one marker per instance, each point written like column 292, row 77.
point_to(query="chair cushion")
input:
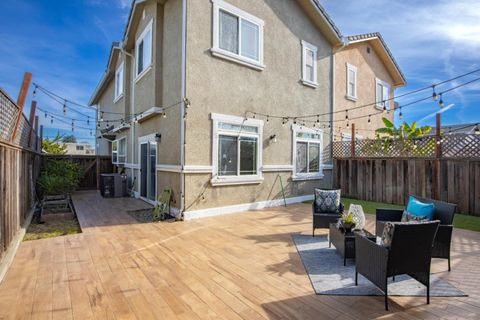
column 408, row 217
column 420, row 209
column 387, row 234
column 327, row 200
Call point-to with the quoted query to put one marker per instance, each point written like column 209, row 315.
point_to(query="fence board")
column 393, row 180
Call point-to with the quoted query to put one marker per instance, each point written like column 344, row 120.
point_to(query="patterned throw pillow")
column 387, row 234
column 327, row 200
column 408, row 217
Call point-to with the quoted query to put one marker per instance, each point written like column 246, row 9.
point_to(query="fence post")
column 36, row 132
column 33, row 109
column 22, row 97
column 352, row 143
column 41, row 140
column 438, row 155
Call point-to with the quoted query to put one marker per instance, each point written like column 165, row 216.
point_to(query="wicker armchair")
column 444, row 212
column 323, row 219
column 410, row 253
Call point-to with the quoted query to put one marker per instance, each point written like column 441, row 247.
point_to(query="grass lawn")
column 59, row 226
column 461, row 221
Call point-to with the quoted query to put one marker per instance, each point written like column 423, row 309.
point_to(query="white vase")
column 358, row 216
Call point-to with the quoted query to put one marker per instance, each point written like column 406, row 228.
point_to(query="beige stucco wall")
column 369, row 67
column 220, row 86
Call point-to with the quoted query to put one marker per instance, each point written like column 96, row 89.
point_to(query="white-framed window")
column 382, row 92
column 307, row 153
column 79, row 148
column 309, row 64
column 236, row 150
column 143, row 50
column 119, row 151
column 237, row 35
column 119, row 82
column 351, row 81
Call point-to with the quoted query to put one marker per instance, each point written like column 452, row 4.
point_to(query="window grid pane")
column 140, row 58
column 301, row 160
column 228, row 37
column 314, row 157
column 248, row 156
column 227, row 155
column 250, row 40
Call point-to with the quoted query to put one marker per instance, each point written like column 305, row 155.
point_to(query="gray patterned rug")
column 329, row 277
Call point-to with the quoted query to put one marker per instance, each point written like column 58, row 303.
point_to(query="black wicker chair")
column 409, row 253
column 323, row 219
column 444, row 212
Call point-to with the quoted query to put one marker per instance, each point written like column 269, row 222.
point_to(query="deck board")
column 240, row 266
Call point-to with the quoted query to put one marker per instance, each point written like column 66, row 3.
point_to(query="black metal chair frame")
column 323, row 219
column 410, row 253
column 444, row 212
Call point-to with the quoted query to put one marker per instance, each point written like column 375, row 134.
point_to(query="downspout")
column 183, row 106
column 132, row 107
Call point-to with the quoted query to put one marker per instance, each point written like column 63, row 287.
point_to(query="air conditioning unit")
column 113, row 185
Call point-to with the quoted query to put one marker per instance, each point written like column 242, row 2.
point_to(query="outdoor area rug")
column 329, row 277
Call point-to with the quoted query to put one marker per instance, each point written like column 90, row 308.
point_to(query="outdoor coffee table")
column 344, row 242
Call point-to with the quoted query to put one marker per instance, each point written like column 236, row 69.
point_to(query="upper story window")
column 351, row 81
column 79, row 148
column 119, row 151
column 309, row 64
column 307, row 159
column 237, row 150
column 119, row 81
column 237, row 35
column 143, row 49
column 382, row 92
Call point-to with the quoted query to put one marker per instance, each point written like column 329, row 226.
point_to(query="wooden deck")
column 240, row 266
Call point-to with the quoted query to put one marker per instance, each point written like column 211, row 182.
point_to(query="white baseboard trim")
column 211, row 212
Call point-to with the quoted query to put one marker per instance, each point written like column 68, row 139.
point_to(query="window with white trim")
column 143, row 50
column 382, row 92
column 119, row 151
column 237, row 35
column 351, row 81
column 309, row 64
column 307, row 152
column 119, row 81
column 237, row 150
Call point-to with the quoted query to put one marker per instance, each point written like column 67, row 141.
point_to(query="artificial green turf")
column 461, row 221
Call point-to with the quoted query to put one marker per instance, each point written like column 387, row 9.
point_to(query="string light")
column 346, row 115
column 384, row 106
column 434, row 94
column 101, row 116
column 268, row 119
column 51, row 119
column 46, row 115
column 88, row 120
column 441, row 103
column 477, row 130
column 369, row 120
column 65, row 107
column 164, row 115
column 400, row 115
column 35, row 91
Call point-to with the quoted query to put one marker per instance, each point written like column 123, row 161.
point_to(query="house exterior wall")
column 369, row 67
column 215, row 85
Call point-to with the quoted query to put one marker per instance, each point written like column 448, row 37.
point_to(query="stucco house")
column 207, row 98
column 365, row 73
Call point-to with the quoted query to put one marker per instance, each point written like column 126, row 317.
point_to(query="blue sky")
column 65, row 44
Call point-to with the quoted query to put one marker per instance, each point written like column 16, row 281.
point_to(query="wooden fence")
column 19, row 169
column 93, row 167
column 392, row 180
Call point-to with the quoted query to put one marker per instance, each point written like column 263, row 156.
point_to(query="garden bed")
column 147, row 216
column 53, row 225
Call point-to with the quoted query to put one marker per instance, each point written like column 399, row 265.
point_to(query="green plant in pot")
column 346, row 222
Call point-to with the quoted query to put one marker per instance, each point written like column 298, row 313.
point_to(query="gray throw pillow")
column 387, row 234
column 327, row 201
column 408, row 217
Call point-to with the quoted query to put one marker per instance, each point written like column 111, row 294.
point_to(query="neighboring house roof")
column 463, row 128
column 384, row 53
column 114, row 49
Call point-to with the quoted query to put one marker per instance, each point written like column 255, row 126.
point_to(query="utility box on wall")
column 113, row 185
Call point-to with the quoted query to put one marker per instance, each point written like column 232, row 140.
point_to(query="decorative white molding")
column 277, row 167
column 308, row 177
column 169, row 168
column 132, row 165
column 121, row 127
column 235, row 180
column 197, row 169
column 147, row 114
column 211, row 212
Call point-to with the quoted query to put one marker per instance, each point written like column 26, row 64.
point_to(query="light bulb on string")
column 254, row 115
column 88, row 120
column 400, row 115
column 91, row 132
column 477, row 130
column 283, row 121
column 369, row 120
column 101, row 116
column 441, row 103
column 294, row 120
column 318, row 118
column 46, row 115
column 164, row 115
column 51, row 120
column 348, row 124
column 65, row 107
column 35, row 91
column 268, row 119
column 384, row 106
column 434, row 94
column 346, row 115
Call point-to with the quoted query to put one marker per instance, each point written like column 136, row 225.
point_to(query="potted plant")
column 346, row 222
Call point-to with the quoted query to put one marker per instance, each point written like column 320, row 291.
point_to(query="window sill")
column 118, row 98
column 380, row 107
column 307, row 177
column 309, row 84
column 238, row 59
column 351, row 98
column 143, row 73
column 236, row 180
